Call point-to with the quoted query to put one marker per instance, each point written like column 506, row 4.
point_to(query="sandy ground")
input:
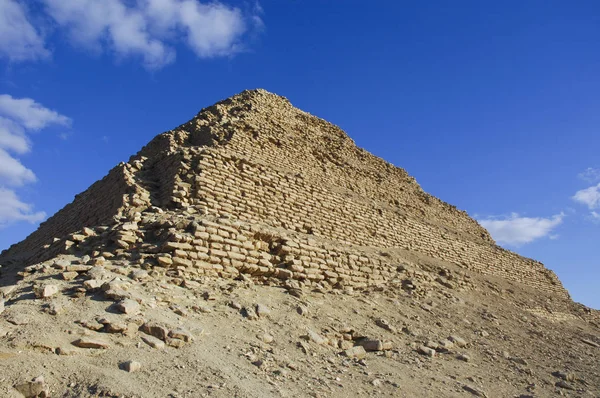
column 437, row 331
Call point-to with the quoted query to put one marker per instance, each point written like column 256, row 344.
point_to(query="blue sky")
column 492, row 106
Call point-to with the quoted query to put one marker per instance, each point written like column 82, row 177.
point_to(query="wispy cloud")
column 148, row 28
column 516, row 230
column 12, row 209
column 591, row 175
column 18, row 118
column 589, row 197
column 19, row 40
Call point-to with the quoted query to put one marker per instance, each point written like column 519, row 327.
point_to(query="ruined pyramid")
column 253, row 185
column 256, row 251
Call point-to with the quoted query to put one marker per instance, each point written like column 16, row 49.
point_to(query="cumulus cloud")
column 18, row 118
column 589, row 197
column 516, row 230
column 19, row 40
column 12, row 209
column 147, row 28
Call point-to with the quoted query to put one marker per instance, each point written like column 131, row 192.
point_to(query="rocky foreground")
column 80, row 327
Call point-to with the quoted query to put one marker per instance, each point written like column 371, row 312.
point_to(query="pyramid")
column 254, row 186
column 256, row 251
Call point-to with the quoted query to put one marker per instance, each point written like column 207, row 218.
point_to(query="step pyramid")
column 254, row 186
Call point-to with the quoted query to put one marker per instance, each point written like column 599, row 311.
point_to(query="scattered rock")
column 36, row 388
column 345, row 344
column 249, row 313
column 61, row 264
column 564, row 384
column 131, row 366
column 113, row 326
column 302, row 310
column 375, row 345
column 7, row 291
column 445, row 345
column 202, row 308
column 316, row 338
column 357, row 352
column 193, row 285
column 93, row 284
column 459, row 341
column 262, row 310
column 68, row 276
column 589, row 342
column 475, row 391
column 432, row 344
column 153, row 342
column 55, row 309
column 463, row 357
column 116, row 294
column 139, row 275
column 266, row 338
column 78, row 268
column 430, row 352
column 382, row 323
column 45, row 291
column 564, row 376
column 128, row 306
column 88, row 342
column 181, row 334
column 18, row 319
column 92, row 325
column 154, row 329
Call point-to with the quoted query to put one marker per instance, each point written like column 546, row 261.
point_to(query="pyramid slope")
column 253, row 185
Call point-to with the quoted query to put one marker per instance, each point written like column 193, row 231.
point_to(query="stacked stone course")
column 252, row 170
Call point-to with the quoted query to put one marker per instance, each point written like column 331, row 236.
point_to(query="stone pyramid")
column 253, row 185
column 256, row 251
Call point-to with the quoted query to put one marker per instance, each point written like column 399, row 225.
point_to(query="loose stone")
column 131, row 366
column 153, row 342
column 357, row 352
column 87, row 342
column 128, row 306
column 46, row 291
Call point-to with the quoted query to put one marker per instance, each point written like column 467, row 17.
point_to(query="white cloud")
column 516, row 230
column 18, row 117
column 29, row 113
column 12, row 209
column 146, row 28
column 589, row 197
column 590, row 174
column 12, row 136
column 19, row 40
column 12, row 171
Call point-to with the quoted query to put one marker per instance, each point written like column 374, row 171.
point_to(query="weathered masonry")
column 254, row 185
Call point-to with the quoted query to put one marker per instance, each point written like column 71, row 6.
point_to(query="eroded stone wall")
column 118, row 195
column 258, row 162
